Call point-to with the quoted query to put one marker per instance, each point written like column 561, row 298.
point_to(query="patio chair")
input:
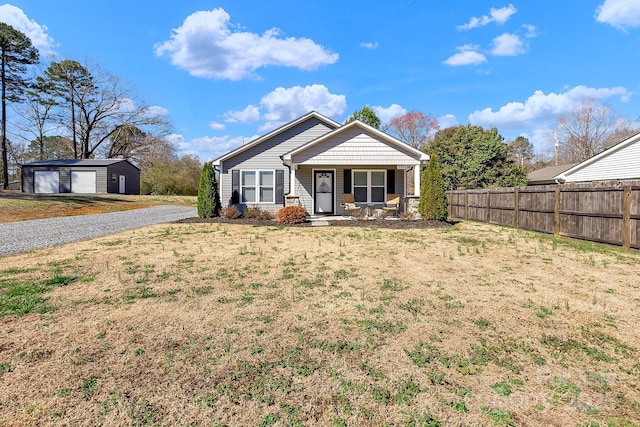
column 392, row 204
column 349, row 204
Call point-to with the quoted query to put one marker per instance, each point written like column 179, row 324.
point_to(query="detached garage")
column 85, row 176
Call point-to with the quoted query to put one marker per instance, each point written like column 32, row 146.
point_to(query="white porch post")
column 292, row 180
column 416, row 180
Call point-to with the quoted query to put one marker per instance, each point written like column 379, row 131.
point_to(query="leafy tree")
column 433, row 197
column 208, row 194
column 365, row 115
column 415, row 128
column 16, row 52
column 521, row 151
column 473, row 157
column 179, row 176
column 51, row 147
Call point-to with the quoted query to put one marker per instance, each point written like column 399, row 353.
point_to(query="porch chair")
column 392, row 204
column 349, row 203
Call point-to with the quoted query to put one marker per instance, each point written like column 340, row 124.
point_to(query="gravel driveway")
column 27, row 235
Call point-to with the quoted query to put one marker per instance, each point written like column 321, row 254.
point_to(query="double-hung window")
column 257, row 186
column 369, row 186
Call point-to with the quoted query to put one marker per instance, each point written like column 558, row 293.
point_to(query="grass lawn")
column 16, row 206
column 226, row 324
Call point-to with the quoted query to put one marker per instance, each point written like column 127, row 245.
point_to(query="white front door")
column 323, row 193
column 122, row 184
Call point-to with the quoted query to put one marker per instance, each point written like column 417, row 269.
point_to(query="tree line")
column 73, row 110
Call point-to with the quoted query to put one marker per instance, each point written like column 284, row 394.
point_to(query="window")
column 369, row 186
column 257, row 186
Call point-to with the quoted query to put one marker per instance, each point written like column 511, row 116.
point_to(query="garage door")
column 46, row 182
column 83, row 182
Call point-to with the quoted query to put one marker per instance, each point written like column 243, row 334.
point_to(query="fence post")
column 515, row 206
column 488, row 206
column 466, row 204
column 626, row 217
column 556, row 212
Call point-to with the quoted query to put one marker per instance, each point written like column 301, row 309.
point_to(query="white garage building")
column 81, row 176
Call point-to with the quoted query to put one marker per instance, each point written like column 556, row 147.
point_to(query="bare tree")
column 624, row 129
column 415, row 128
column 584, row 130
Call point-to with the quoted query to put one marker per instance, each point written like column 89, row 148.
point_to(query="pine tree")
column 433, row 198
column 208, row 194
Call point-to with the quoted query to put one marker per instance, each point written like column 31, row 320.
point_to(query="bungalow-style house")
column 81, row 176
column 312, row 161
column 620, row 162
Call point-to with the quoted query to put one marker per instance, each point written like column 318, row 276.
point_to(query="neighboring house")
column 620, row 162
column 547, row 175
column 81, row 176
column 312, row 161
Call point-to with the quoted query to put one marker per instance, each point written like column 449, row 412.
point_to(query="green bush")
column 291, row 215
column 208, row 194
column 433, row 198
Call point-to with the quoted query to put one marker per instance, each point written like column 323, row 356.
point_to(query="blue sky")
column 228, row 71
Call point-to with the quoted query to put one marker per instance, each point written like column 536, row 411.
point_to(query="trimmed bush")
column 230, row 212
column 208, row 194
column 291, row 215
column 433, row 197
column 257, row 213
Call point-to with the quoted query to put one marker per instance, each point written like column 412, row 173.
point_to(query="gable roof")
column 598, row 157
column 78, row 162
column 313, row 114
column 547, row 175
column 365, row 127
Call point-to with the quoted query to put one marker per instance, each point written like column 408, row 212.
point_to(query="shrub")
column 257, row 213
column 433, row 198
column 291, row 215
column 230, row 212
column 208, row 195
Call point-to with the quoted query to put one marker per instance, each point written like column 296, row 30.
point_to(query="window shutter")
column 391, row 181
column 347, row 181
column 280, row 186
column 235, row 187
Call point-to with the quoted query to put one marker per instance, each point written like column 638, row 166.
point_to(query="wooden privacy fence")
column 607, row 213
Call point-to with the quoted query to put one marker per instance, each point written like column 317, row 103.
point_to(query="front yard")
column 227, row 324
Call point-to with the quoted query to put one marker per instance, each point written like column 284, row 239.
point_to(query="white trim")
column 368, row 171
column 257, row 186
column 313, row 189
column 416, row 181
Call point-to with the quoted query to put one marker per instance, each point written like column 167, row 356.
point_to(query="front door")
column 122, row 186
column 323, row 194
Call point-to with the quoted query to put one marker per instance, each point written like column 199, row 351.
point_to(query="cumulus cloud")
column 216, row 126
column 369, row 45
column 15, row 17
column 499, row 16
column 386, row 114
column 532, row 31
column 446, row 121
column 249, row 115
column 156, row 111
column 467, row 55
column 621, row 14
column 207, row 45
column 285, row 104
column 207, row 147
column 541, row 107
column 507, row 45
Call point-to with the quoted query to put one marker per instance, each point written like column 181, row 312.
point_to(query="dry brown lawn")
column 16, row 206
column 223, row 324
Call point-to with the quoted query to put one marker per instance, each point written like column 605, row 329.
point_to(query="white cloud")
column 467, row 55
column 208, row 45
column 532, row 31
column 249, row 115
column 507, row 45
column 207, row 147
column 541, row 107
column 446, row 121
column 217, row 126
column 15, row 17
column 286, row 104
column 156, row 111
column 499, row 16
column 386, row 114
column 369, row 45
column 621, row 14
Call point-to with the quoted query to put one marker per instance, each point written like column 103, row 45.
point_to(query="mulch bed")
column 373, row 223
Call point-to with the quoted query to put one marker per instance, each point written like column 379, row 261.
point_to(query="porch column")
column 292, row 180
column 416, row 180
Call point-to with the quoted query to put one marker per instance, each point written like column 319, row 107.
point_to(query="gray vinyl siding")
column 267, row 156
column 621, row 164
column 132, row 180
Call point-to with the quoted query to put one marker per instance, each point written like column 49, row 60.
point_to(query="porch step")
column 319, row 223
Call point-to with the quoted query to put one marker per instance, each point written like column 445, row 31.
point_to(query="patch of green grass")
column 502, row 388
column 4, row 367
column 391, row 285
column 544, row 312
column 406, row 392
column 563, row 386
column 380, row 395
column 89, row 387
column 18, row 298
column 421, row 419
column 139, row 292
column 499, row 416
column 144, row 414
column 482, row 323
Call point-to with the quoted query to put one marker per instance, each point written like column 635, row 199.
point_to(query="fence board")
column 601, row 212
